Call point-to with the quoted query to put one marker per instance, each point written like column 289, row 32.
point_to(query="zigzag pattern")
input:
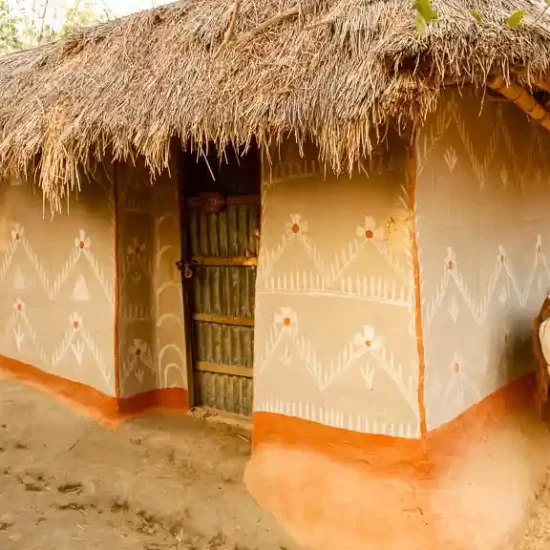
column 479, row 308
column 54, row 287
column 19, row 326
column 326, row 276
column 349, row 356
column 489, row 168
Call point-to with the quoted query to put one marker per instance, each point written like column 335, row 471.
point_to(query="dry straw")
column 336, row 71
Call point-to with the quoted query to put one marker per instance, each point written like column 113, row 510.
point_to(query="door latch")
column 185, row 268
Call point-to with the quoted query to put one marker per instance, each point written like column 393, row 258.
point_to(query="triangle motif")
column 80, row 292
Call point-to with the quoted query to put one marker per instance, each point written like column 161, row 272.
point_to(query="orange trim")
column 408, row 457
column 451, row 489
column 109, row 411
column 116, row 285
column 417, row 291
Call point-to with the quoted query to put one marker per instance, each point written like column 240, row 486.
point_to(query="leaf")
column 426, row 10
column 420, row 24
column 514, row 21
column 547, row 2
column 477, row 16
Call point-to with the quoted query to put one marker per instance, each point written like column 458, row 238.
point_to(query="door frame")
column 186, row 284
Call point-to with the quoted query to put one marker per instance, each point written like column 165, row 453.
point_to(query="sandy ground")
column 160, row 482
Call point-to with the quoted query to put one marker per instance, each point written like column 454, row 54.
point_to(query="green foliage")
column 81, row 15
column 32, row 28
column 477, row 16
column 515, row 20
column 9, row 37
column 425, row 13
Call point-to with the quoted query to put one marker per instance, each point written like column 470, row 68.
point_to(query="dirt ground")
column 159, row 482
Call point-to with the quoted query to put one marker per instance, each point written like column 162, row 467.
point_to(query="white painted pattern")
column 337, row 418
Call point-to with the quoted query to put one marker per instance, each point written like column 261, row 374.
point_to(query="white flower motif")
column 456, row 363
column 450, row 260
column 82, row 242
column 136, row 248
column 370, row 230
column 297, row 226
column 286, row 317
column 139, row 348
column 75, row 319
column 367, row 339
column 19, row 305
column 17, row 232
column 501, row 254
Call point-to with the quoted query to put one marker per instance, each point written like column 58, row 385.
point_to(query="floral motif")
column 297, row 226
column 75, row 319
column 136, row 248
column 19, row 305
column 139, row 348
column 82, row 242
column 367, row 339
column 370, row 230
column 287, row 317
column 17, row 232
column 501, row 254
column 450, row 260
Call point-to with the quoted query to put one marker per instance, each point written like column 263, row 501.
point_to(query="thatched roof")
column 333, row 70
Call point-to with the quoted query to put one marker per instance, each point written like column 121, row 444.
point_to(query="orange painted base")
column 463, row 486
column 107, row 410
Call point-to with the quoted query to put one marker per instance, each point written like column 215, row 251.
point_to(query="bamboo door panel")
column 224, row 252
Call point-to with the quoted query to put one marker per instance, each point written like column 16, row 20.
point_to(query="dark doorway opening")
column 221, row 204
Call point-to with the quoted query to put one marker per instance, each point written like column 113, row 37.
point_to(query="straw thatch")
column 335, row 71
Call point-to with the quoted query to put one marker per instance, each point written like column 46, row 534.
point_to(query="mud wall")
column 56, row 282
column 481, row 208
column 483, row 205
column 335, row 335
column 151, row 338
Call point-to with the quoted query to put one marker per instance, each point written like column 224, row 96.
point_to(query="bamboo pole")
column 522, row 98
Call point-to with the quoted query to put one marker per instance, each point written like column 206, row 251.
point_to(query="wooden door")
column 223, row 222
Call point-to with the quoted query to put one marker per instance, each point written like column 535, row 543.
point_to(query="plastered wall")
column 56, row 282
column 335, row 337
column 483, row 203
column 151, row 327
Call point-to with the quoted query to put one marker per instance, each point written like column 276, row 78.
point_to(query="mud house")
column 304, row 214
